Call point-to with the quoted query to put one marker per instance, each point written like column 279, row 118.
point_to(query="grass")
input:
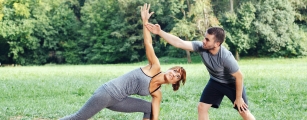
column 276, row 89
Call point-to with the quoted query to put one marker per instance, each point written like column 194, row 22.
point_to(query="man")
column 225, row 75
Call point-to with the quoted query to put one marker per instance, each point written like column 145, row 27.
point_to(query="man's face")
column 209, row 42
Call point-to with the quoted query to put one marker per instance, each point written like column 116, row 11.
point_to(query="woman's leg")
column 97, row 102
column 133, row 105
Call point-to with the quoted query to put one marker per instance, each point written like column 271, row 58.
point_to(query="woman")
column 143, row 81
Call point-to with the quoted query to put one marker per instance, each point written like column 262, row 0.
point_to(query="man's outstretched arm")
column 169, row 38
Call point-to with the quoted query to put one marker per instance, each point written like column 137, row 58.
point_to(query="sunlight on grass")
column 276, row 89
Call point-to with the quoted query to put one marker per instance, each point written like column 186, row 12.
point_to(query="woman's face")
column 173, row 75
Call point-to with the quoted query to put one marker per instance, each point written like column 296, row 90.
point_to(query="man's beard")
column 210, row 48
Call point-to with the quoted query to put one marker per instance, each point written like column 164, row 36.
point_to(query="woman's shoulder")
column 151, row 70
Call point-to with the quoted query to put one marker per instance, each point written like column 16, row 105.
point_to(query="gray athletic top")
column 133, row 82
column 219, row 66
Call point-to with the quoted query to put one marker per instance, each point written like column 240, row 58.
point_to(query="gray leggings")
column 101, row 99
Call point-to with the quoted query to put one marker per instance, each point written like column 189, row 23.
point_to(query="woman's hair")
column 182, row 72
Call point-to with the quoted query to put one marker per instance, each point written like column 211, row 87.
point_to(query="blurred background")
column 38, row 32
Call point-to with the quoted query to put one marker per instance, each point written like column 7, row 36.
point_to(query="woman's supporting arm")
column 156, row 100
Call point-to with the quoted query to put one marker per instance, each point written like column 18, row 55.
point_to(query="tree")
column 33, row 28
column 190, row 19
column 16, row 29
column 299, row 7
column 111, row 31
column 277, row 32
column 239, row 28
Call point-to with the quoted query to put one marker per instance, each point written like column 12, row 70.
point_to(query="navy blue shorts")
column 214, row 92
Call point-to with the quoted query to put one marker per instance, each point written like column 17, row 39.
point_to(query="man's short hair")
column 218, row 32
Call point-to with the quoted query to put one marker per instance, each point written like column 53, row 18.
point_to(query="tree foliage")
column 264, row 28
column 300, row 8
column 110, row 31
column 34, row 29
column 277, row 32
column 239, row 28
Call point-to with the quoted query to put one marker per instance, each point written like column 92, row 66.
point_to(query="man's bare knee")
column 247, row 115
column 203, row 107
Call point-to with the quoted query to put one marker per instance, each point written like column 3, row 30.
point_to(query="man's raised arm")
column 169, row 38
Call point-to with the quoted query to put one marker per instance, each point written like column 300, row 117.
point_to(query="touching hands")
column 155, row 29
column 241, row 105
column 145, row 12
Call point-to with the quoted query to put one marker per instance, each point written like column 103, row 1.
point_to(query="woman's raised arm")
column 150, row 53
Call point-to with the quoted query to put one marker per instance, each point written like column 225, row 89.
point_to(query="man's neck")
column 215, row 50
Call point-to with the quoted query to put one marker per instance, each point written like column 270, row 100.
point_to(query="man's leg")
column 211, row 97
column 230, row 92
column 203, row 111
column 247, row 115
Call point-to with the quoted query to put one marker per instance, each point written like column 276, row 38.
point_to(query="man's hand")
column 240, row 104
column 145, row 12
column 155, row 29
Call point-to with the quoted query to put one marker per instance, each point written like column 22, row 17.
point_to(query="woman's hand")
column 145, row 12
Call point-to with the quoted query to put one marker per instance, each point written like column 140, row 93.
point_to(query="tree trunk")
column 231, row 5
column 188, row 56
column 189, row 6
column 188, row 53
column 237, row 55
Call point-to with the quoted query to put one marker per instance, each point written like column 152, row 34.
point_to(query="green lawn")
column 276, row 88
